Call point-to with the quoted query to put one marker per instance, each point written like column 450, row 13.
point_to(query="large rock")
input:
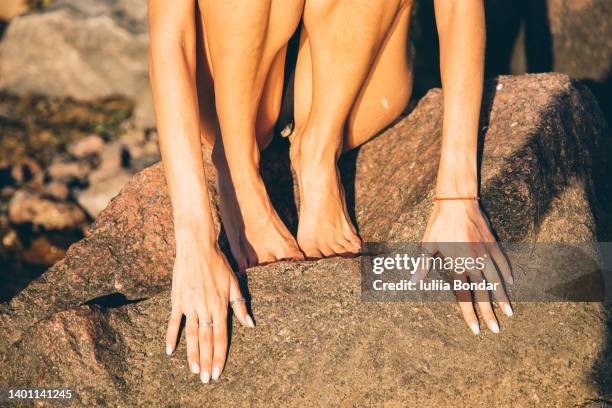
column 96, row 319
column 103, row 46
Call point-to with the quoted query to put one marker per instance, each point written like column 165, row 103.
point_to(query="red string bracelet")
column 455, row 198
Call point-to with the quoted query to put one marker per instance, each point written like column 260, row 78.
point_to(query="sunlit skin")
column 217, row 77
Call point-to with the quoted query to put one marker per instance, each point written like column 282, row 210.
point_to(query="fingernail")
column 250, row 321
column 508, row 310
column 205, row 376
column 195, row 368
column 475, row 327
column 494, row 327
column 510, row 280
column 216, row 373
column 169, row 349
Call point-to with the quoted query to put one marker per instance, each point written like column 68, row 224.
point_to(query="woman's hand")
column 459, row 228
column 203, row 284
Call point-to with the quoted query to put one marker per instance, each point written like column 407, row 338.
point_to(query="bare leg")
column 352, row 79
column 269, row 105
column 246, row 42
column 384, row 93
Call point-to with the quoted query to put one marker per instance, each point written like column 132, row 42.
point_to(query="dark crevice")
column 112, row 301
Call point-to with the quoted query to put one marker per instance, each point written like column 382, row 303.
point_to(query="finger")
column 191, row 334
column 499, row 293
column 423, row 268
column 464, row 300
column 220, row 342
column 501, row 261
column 205, row 339
column 486, row 311
column 239, row 308
column 429, row 247
column 174, row 323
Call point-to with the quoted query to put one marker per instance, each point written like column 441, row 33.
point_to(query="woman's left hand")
column 460, row 228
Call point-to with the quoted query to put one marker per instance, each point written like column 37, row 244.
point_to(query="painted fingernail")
column 195, row 368
column 510, row 280
column 494, row 327
column 205, row 376
column 508, row 310
column 250, row 321
column 169, row 349
column 216, row 373
column 475, row 327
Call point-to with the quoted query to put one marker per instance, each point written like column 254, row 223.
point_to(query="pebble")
column 87, row 146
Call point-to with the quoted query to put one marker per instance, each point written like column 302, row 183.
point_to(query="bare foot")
column 324, row 227
column 254, row 230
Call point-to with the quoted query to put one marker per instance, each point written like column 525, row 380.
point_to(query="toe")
column 349, row 248
column 267, row 258
column 312, row 253
column 353, row 243
column 327, row 251
column 291, row 252
column 340, row 249
column 294, row 254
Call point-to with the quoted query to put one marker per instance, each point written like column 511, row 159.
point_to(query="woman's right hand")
column 203, row 284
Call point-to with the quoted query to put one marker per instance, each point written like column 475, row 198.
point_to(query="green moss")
column 40, row 127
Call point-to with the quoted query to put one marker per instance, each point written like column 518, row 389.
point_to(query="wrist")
column 456, row 187
column 193, row 230
column 457, row 175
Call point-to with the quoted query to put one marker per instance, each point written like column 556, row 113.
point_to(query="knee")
column 319, row 9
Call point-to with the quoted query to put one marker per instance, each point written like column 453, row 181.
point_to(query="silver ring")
column 206, row 324
column 237, row 300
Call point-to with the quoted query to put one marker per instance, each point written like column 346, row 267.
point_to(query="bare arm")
column 461, row 28
column 172, row 67
column 202, row 281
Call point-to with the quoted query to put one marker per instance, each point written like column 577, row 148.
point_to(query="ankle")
column 241, row 165
column 317, row 147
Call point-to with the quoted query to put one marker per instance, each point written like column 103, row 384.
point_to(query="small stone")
column 26, row 207
column 9, row 239
column 56, row 190
column 27, row 172
column 7, row 192
column 87, row 146
column 97, row 196
column 110, row 163
column 67, row 171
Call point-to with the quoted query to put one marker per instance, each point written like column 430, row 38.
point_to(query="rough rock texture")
column 104, row 45
column 96, row 319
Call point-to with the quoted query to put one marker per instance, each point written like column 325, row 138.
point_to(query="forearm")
column 461, row 29
column 172, row 75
